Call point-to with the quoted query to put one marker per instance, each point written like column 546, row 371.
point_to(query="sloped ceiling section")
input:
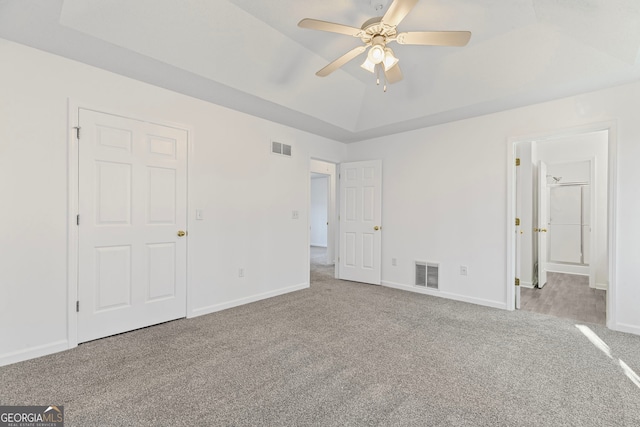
column 219, row 41
column 251, row 56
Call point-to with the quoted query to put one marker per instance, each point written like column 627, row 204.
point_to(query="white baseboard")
column 242, row 301
column 316, row 245
column 33, row 352
column 602, row 286
column 624, row 327
column 580, row 270
column 447, row 295
column 526, row 284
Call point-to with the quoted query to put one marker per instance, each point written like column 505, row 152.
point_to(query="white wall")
column 444, row 189
column 319, row 208
column 445, row 195
column 247, row 195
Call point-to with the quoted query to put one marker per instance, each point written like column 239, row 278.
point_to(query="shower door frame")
column 592, row 266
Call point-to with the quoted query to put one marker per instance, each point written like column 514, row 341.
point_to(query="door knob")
column 543, row 230
column 376, row 228
column 182, row 233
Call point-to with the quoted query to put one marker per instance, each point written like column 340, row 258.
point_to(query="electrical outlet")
column 241, row 272
column 394, row 262
column 463, row 270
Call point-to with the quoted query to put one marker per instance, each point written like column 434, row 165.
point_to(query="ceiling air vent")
column 280, row 148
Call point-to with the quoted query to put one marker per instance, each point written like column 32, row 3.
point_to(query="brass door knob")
column 182, row 233
column 543, row 230
column 376, row 228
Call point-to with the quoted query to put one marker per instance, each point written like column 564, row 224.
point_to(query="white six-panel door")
column 360, row 221
column 132, row 205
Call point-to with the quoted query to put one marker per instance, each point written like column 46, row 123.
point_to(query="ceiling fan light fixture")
column 389, row 60
column 376, row 54
column 368, row 65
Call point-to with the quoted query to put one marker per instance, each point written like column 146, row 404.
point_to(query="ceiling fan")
column 376, row 33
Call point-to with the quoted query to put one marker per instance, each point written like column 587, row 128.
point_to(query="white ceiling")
column 250, row 55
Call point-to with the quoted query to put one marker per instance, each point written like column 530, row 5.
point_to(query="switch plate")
column 463, row 270
column 241, row 272
column 295, row 215
column 199, row 214
column 394, row 262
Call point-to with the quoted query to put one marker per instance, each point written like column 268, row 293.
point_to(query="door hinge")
column 517, row 161
column 77, row 128
column 77, row 306
column 78, row 219
column 517, row 221
column 517, row 282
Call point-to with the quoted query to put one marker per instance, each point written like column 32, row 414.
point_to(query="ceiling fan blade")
column 341, row 61
column 397, row 11
column 315, row 24
column 393, row 74
column 435, row 38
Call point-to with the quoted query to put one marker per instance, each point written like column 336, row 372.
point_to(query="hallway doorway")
column 322, row 214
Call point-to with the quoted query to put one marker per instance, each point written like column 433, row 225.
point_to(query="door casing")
column 611, row 128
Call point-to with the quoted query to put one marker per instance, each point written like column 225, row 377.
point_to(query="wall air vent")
column 421, row 274
column 426, row 274
column 280, row 148
column 432, row 275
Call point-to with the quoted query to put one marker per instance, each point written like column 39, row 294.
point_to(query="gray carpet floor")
column 569, row 296
column 339, row 354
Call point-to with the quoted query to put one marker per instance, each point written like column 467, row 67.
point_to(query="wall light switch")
column 295, row 215
column 199, row 214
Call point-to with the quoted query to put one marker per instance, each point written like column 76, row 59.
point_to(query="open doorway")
column 562, row 210
column 322, row 214
column 319, row 218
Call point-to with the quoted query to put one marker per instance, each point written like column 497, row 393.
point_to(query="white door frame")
column 73, row 204
column 611, row 128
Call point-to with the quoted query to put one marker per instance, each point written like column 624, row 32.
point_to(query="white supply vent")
column 421, row 274
column 432, row 275
column 280, row 148
column 426, row 274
